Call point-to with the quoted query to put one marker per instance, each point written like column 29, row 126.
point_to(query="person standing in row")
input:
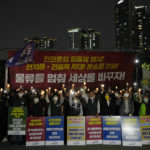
column 145, row 106
column 126, row 104
column 18, row 101
column 107, row 105
column 75, row 105
column 92, row 104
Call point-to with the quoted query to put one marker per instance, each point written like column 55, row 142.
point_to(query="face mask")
column 145, row 100
column 116, row 94
column 126, row 95
column 55, row 99
column 75, row 101
column 83, row 96
column 20, row 95
column 36, row 100
column 136, row 94
column 92, row 98
column 107, row 98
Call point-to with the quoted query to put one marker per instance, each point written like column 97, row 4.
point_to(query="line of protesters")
column 53, row 102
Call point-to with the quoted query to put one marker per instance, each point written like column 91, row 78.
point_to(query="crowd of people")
column 104, row 101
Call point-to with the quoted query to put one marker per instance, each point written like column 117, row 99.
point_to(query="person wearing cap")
column 145, row 106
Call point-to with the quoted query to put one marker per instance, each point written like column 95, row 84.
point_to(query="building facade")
column 132, row 26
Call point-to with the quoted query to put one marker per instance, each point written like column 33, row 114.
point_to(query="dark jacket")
column 73, row 111
column 17, row 102
column 107, row 109
column 56, row 109
column 92, row 107
column 121, row 102
column 36, row 110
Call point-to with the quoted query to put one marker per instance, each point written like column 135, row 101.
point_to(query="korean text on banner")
column 17, row 120
column 75, row 130
column 35, row 133
column 55, row 130
column 112, row 130
column 131, row 131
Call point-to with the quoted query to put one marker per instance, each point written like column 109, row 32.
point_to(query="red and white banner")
column 93, row 129
column 57, row 68
column 35, row 132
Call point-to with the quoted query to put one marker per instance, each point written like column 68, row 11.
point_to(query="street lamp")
column 136, row 61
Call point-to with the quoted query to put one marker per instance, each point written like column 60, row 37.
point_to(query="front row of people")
column 72, row 104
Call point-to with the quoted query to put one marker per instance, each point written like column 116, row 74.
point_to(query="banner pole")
column 6, row 77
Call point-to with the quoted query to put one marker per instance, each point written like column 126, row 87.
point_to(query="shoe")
column 4, row 140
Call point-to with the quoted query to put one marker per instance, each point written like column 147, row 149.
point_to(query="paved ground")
column 7, row 146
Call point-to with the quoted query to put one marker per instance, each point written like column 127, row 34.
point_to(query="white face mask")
column 36, row 100
column 145, row 100
column 83, row 96
column 136, row 94
column 75, row 101
column 126, row 95
column 55, row 99
column 92, row 98
column 20, row 95
column 116, row 94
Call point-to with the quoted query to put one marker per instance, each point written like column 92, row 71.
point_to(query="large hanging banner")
column 17, row 120
column 56, row 68
column 131, row 131
column 35, row 133
column 112, row 130
column 93, row 130
column 75, row 130
column 55, row 130
column 145, row 129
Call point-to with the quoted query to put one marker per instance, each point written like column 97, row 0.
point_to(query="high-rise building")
column 123, row 24
column 83, row 39
column 148, row 32
column 132, row 26
column 139, row 37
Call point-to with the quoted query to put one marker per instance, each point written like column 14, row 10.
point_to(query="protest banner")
column 93, row 130
column 35, row 133
column 145, row 129
column 55, row 68
column 75, row 130
column 112, row 130
column 17, row 120
column 131, row 131
column 55, row 130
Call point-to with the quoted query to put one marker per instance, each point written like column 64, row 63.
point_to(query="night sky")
column 34, row 18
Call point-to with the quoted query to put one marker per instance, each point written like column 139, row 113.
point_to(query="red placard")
column 93, row 129
column 57, row 68
column 35, row 133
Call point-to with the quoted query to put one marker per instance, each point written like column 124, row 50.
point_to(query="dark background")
column 30, row 18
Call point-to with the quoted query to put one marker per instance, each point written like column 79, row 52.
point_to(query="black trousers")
column 3, row 127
